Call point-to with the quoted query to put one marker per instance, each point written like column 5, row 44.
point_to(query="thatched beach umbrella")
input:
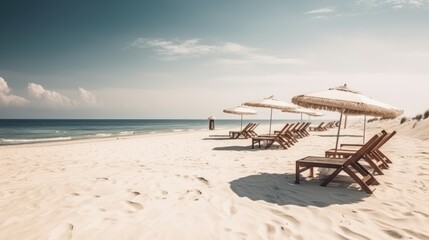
column 302, row 111
column 271, row 103
column 346, row 89
column 346, row 102
column 240, row 110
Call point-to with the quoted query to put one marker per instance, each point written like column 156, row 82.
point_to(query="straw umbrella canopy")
column 240, row 110
column 271, row 103
column 346, row 102
column 346, row 89
column 302, row 110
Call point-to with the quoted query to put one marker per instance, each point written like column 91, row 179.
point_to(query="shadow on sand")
column 356, row 136
column 218, row 137
column 235, row 148
column 280, row 189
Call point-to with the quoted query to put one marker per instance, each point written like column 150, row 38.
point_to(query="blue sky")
column 191, row 59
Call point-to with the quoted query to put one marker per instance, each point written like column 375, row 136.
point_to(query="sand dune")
column 200, row 185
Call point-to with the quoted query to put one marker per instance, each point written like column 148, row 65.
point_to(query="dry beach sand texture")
column 200, row 185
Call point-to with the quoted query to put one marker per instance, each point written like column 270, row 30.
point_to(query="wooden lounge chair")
column 380, row 156
column 288, row 134
column 298, row 132
column 318, row 128
column 279, row 138
column 349, row 165
column 304, row 131
column 371, row 157
column 251, row 130
column 327, row 126
column 244, row 132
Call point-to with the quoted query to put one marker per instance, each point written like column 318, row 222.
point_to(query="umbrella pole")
column 271, row 117
column 345, row 122
column 339, row 128
column 241, row 128
column 301, row 117
column 364, row 128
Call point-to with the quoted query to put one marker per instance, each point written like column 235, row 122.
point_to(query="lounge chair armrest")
column 350, row 145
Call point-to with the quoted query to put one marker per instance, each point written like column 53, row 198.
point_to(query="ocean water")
column 21, row 131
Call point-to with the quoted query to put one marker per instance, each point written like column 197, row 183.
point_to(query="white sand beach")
column 202, row 185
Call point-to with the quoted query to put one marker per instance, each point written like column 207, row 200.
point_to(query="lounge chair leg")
column 332, row 176
column 358, row 180
column 297, row 174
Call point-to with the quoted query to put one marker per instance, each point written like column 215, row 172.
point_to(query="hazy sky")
column 191, row 59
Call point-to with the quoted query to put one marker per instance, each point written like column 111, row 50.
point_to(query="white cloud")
column 397, row 4
column 87, row 98
column 188, row 48
column 47, row 97
column 53, row 99
column 321, row 11
column 262, row 59
column 232, row 53
column 8, row 99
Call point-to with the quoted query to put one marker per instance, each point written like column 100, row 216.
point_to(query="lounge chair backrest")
column 282, row 131
column 326, row 125
column 295, row 127
column 367, row 147
column 307, row 125
column 385, row 139
column 247, row 127
column 300, row 126
column 291, row 126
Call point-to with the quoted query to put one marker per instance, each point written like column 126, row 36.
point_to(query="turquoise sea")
column 21, row 131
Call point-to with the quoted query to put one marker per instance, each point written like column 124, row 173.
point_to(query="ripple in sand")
column 352, row 234
column 62, row 232
column 135, row 205
column 203, row 180
column 393, row 234
column 135, row 193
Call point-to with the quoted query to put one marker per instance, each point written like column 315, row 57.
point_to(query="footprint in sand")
column 233, row 210
column 62, row 232
column 271, row 229
column 285, row 216
column 203, row 180
column 161, row 194
column 194, row 191
column 135, row 205
column 193, row 194
column 135, row 193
